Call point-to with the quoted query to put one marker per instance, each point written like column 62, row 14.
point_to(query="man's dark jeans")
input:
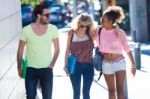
column 44, row 76
column 87, row 71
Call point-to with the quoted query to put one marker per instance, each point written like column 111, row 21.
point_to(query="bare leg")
column 120, row 76
column 110, row 81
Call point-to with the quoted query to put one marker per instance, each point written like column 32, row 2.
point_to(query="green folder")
column 24, row 65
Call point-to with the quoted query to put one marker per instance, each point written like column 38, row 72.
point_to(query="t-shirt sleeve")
column 23, row 35
column 55, row 33
column 124, row 42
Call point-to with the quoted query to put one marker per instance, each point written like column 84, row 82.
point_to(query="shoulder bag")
column 98, row 57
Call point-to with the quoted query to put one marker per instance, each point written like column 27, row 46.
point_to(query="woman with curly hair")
column 112, row 45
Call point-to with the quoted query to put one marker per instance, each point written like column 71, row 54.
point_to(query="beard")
column 44, row 21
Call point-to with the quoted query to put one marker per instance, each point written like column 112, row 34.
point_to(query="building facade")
column 11, row 86
column 139, row 20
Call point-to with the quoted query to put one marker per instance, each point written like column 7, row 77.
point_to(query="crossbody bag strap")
column 72, row 33
column 99, row 33
column 71, row 36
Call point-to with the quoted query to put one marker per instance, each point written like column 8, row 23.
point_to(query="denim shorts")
column 111, row 67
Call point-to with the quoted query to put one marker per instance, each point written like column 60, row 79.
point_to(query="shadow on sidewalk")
column 146, row 52
column 95, row 81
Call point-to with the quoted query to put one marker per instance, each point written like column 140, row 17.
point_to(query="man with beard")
column 38, row 38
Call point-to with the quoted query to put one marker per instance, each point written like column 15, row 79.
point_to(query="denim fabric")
column 87, row 71
column 44, row 76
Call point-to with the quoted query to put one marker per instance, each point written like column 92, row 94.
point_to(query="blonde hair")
column 84, row 17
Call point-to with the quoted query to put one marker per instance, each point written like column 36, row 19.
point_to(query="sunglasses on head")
column 84, row 26
column 46, row 15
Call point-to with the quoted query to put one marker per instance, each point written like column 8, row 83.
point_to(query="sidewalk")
column 138, row 86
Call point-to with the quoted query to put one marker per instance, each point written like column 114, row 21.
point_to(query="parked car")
column 27, row 14
column 67, row 12
column 82, row 7
column 56, row 14
column 49, row 2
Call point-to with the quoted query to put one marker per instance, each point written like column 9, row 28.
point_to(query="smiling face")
column 106, row 23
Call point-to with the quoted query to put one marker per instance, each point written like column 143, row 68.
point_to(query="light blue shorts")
column 111, row 67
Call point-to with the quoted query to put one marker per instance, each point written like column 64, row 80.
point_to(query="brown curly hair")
column 115, row 14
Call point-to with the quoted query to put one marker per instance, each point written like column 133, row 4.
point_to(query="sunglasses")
column 84, row 26
column 46, row 15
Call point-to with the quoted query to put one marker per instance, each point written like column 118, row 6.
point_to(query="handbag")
column 72, row 60
column 24, row 65
column 71, row 63
column 97, row 60
column 98, row 57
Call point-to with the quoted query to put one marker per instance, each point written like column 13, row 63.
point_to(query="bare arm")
column 133, row 67
column 67, row 51
column 68, row 47
column 126, row 48
column 94, row 34
column 56, row 52
column 20, row 55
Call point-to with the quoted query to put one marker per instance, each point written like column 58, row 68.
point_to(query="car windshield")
column 26, row 10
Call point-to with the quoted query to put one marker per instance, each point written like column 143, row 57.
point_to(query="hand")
column 51, row 66
column 66, row 70
column 19, row 71
column 133, row 69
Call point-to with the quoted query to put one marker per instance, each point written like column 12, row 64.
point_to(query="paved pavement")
column 138, row 86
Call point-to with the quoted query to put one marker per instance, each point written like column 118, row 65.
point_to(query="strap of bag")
column 99, row 33
column 71, row 36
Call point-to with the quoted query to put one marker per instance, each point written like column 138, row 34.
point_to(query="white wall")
column 11, row 86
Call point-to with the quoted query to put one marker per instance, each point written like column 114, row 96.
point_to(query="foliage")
column 32, row 2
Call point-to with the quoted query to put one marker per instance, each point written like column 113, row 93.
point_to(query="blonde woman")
column 80, row 43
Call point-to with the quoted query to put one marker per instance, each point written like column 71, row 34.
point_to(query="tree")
column 32, row 2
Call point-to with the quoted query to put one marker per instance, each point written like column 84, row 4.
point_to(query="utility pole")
column 138, row 20
column 104, row 5
column 91, row 9
column 107, row 3
column 74, row 7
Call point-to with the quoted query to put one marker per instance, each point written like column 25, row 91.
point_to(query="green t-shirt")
column 38, row 48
